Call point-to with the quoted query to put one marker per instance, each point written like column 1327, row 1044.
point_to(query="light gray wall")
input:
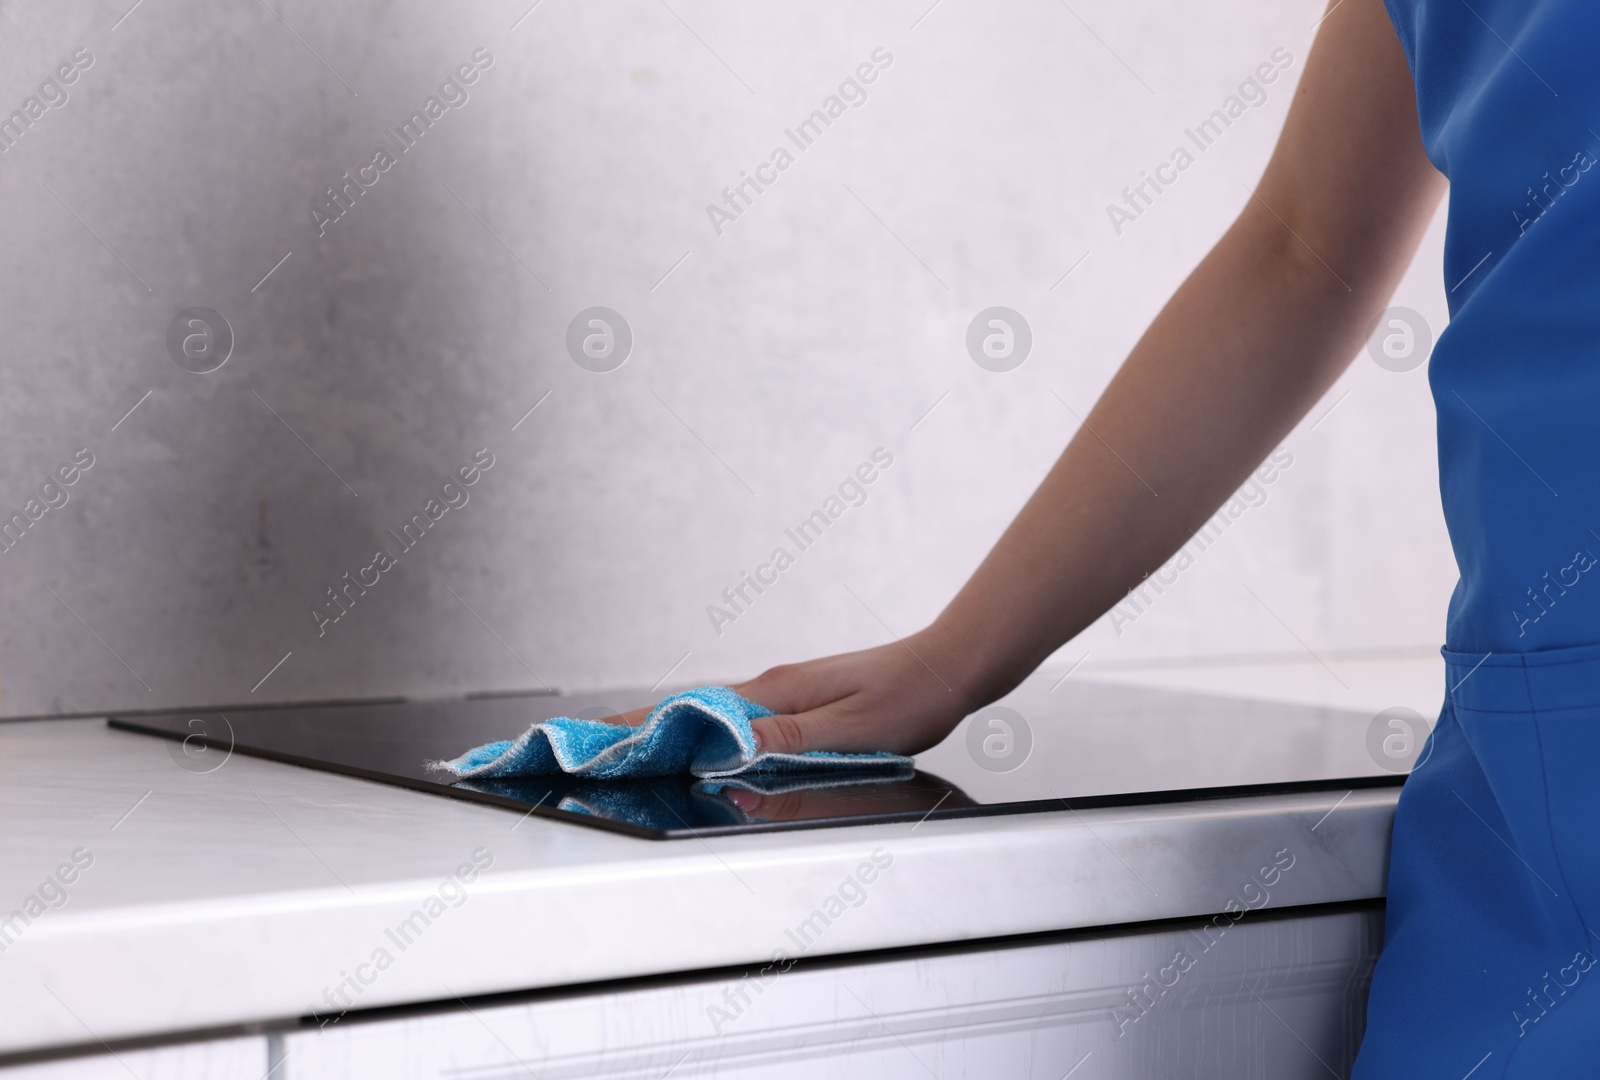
column 774, row 359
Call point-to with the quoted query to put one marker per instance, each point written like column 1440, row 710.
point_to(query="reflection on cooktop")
column 1080, row 744
column 681, row 804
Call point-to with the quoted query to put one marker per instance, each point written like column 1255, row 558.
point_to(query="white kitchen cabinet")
column 1275, row 998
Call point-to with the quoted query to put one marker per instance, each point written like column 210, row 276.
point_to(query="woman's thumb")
column 783, row 733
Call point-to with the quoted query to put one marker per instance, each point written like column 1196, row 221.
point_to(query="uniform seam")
column 1585, row 707
column 1549, row 824
column 1519, row 661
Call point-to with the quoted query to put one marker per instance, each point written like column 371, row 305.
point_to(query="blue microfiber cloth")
column 704, row 731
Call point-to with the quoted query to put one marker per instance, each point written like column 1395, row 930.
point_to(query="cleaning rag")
column 705, row 732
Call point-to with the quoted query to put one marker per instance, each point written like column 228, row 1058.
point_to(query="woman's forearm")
column 1252, row 339
column 1258, row 332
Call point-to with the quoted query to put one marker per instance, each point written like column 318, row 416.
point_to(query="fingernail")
column 744, row 800
column 756, row 737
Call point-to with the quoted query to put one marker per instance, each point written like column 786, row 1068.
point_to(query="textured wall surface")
column 395, row 340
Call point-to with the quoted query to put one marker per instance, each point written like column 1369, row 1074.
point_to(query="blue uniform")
column 1489, row 966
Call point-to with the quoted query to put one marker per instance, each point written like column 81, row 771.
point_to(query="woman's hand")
column 902, row 697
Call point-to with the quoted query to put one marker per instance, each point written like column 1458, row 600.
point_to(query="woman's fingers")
column 780, row 734
column 791, row 688
column 800, row 688
column 876, row 699
column 856, row 724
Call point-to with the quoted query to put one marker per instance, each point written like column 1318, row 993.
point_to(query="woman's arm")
column 1248, row 344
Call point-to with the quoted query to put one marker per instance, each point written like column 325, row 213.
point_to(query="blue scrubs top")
column 1491, row 958
column 1508, row 95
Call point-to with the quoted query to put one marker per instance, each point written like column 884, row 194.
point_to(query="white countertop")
column 240, row 896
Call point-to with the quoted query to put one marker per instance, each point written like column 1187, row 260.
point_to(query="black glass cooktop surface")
column 1081, row 744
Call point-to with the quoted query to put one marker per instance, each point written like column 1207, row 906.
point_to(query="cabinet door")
column 1276, row 998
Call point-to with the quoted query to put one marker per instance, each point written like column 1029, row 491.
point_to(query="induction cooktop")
column 1049, row 745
